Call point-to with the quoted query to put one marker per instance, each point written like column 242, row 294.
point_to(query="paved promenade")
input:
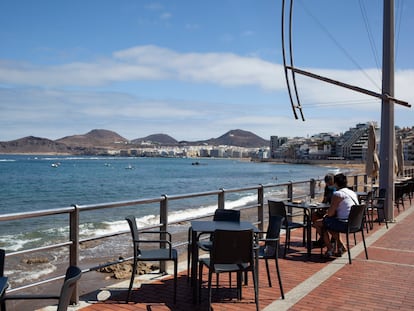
column 383, row 282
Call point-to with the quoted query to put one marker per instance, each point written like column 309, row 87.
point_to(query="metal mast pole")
column 387, row 111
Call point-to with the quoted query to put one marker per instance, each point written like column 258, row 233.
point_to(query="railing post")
column 312, row 186
column 290, row 198
column 74, row 247
column 290, row 191
column 260, row 206
column 164, row 227
column 355, row 186
column 365, row 182
column 221, row 198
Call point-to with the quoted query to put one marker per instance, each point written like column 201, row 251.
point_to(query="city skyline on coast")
column 192, row 70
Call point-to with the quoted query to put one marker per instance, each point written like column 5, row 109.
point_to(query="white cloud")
column 67, row 99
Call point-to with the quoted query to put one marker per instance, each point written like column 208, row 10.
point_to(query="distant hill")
column 239, row 138
column 161, row 139
column 99, row 141
column 33, row 144
column 95, row 138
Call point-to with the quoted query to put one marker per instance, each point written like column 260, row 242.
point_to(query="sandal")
column 341, row 250
column 328, row 254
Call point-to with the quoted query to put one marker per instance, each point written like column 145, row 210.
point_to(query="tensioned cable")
column 400, row 10
column 341, row 103
column 370, row 36
column 338, row 44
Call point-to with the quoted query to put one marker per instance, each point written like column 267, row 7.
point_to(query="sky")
column 193, row 69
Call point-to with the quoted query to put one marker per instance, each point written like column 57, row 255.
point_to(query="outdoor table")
column 209, row 226
column 308, row 209
column 362, row 195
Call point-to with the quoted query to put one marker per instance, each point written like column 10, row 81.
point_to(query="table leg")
column 309, row 231
column 194, row 265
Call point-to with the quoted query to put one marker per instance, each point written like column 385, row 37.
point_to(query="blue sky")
column 193, row 69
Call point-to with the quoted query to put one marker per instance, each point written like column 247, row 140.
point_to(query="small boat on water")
column 55, row 165
column 129, row 167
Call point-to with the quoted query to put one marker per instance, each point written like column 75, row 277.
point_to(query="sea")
column 39, row 182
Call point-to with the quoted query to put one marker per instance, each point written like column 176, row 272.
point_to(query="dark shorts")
column 334, row 224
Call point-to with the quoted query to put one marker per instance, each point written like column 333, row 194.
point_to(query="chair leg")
column 210, row 274
column 256, row 291
column 287, row 242
column 268, row 272
column 279, row 278
column 349, row 249
column 239, row 286
column 175, row 280
column 365, row 246
column 131, row 282
column 200, row 281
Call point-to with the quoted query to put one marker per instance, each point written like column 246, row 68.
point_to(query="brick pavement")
column 384, row 282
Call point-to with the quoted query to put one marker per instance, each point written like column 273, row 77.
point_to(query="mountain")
column 33, row 144
column 239, row 138
column 95, row 138
column 161, row 139
column 100, row 141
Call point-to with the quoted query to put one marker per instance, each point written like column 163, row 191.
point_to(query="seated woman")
column 318, row 214
column 342, row 200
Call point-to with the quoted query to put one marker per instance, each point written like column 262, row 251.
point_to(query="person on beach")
column 317, row 215
column 333, row 221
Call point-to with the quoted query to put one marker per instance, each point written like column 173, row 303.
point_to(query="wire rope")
column 370, row 36
column 339, row 46
column 400, row 10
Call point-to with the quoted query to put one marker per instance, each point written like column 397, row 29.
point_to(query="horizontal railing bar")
column 193, row 195
column 38, row 249
column 88, row 207
column 32, row 214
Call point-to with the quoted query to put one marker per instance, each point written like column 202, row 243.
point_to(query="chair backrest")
column 356, row 218
column 277, row 208
column 2, row 256
column 73, row 274
column 380, row 199
column 232, row 247
column 273, row 232
column 133, row 227
column 221, row 214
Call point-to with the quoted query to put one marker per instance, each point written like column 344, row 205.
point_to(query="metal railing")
column 286, row 191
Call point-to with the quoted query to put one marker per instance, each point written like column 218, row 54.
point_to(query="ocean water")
column 31, row 183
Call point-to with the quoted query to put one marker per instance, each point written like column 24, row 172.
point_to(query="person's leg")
column 318, row 225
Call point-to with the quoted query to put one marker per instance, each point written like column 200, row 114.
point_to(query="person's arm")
column 334, row 205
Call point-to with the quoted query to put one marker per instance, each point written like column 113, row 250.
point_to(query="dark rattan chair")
column 378, row 206
column 220, row 214
column 73, row 274
column 270, row 249
column 355, row 223
column 232, row 251
column 151, row 254
column 278, row 208
column 400, row 192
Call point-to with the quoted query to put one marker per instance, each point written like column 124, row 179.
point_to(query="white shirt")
column 349, row 198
